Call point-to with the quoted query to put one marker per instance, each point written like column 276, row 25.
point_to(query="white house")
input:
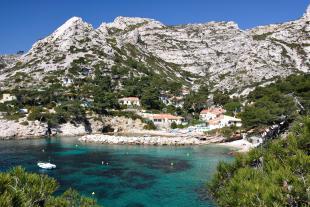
column 224, row 121
column 7, row 97
column 130, row 101
column 164, row 120
column 67, row 81
column 211, row 113
column 230, row 121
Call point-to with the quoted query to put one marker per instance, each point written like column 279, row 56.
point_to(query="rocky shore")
column 23, row 129
column 15, row 130
column 125, row 131
column 149, row 140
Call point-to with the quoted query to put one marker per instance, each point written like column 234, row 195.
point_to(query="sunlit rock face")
column 216, row 53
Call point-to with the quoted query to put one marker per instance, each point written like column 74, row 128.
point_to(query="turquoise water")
column 135, row 176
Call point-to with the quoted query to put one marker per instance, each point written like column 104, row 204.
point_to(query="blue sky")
column 25, row 21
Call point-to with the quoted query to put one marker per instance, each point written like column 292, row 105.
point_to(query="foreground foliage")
column 19, row 188
column 277, row 174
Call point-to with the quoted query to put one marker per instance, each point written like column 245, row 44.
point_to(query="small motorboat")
column 46, row 165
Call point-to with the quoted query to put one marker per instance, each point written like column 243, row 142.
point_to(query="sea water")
column 122, row 175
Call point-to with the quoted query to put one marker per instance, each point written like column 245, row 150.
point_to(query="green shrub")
column 227, row 131
column 277, row 174
column 15, row 116
column 173, row 125
column 127, row 114
column 149, row 125
column 36, row 113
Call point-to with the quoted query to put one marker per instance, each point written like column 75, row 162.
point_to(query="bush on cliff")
column 149, row 125
column 277, row 174
column 284, row 98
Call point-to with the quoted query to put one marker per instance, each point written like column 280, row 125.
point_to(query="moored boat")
column 46, row 165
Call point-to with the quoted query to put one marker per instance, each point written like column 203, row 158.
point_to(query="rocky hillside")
column 216, row 53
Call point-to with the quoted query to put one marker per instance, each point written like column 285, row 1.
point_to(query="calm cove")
column 122, row 176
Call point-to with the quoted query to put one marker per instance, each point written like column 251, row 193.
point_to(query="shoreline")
column 240, row 146
column 132, row 135
column 148, row 140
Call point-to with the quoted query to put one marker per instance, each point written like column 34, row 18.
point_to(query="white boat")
column 46, row 165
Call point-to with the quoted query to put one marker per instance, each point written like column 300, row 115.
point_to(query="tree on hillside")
column 232, row 107
column 220, row 98
column 196, row 101
column 150, row 99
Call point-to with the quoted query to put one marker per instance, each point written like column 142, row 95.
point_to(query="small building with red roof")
column 211, row 113
column 216, row 119
column 164, row 120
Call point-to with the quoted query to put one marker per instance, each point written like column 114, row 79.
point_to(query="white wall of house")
column 230, row 121
column 129, row 102
column 166, row 123
column 225, row 121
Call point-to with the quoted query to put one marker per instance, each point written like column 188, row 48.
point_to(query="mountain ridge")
column 218, row 54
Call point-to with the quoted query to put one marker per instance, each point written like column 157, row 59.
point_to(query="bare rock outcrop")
column 216, row 53
column 12, row 129
column 33, row 129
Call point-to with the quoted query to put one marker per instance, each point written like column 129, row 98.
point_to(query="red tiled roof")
column 130, row 98
column 215, row 111
column 165, row 116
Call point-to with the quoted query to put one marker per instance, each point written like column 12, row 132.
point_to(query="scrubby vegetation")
column 277, row 174
column 19, row 188
column 98, row 92
column 282, row 99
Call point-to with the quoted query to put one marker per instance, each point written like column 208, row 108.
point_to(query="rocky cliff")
column 219, row 54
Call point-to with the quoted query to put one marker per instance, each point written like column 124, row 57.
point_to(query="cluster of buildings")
column 164, row 120
column 164, row 97
column 214, row 117
column 160, row 120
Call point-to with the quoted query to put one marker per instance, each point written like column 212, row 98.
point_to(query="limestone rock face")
column 216, row 53
column 12, row 129
column 35, row 129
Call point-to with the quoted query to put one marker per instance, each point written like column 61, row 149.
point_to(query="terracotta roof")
column 165, row 116
column 130, row 98
column 177, row 98
column 215, row 111
column 222, row 117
